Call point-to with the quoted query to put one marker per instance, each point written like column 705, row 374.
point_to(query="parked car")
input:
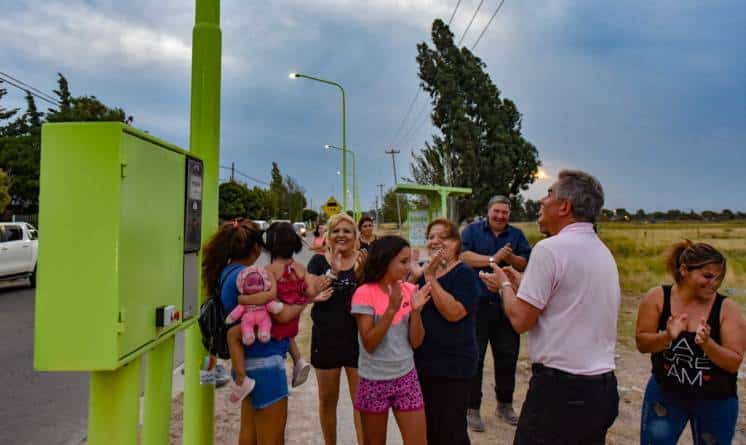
column 263, row 225
column 19, row 247
column 300, row 229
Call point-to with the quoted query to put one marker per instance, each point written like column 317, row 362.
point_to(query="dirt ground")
column 633, row 371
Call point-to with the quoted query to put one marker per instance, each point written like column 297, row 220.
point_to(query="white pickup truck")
column 18, row 251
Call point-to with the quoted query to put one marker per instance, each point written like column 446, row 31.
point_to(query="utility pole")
column 393, row 154
column 380, row 187
column 378, row 216
column 233, row 172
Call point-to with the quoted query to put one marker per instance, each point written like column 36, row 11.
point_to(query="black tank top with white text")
column 683, row 369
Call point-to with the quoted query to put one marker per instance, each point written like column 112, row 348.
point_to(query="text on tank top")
column 683, row 369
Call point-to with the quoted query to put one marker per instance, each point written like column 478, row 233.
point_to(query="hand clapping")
column 702, row 335
column 421, row 297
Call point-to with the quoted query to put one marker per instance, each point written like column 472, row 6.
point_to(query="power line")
column 50, row 97
column 488, row 24
column 406, row 115
column 421, row 121
column 419, row 90
column 453, row 14
column 470, row 22
column 245, row 175
column 4, row 80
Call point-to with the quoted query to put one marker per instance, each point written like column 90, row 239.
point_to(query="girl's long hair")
column 382, row 253
column 234, row 240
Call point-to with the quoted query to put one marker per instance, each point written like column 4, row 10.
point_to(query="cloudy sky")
column 650, row 96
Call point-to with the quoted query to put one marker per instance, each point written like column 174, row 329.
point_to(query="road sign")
column 331, row 207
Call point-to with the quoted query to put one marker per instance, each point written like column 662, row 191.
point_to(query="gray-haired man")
column 494, row 241
column 568, row 302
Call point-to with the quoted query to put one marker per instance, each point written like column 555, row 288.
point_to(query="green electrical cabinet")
column 120, row 221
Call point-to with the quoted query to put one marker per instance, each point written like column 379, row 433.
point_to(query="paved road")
column 48, row 408
column 35, row 407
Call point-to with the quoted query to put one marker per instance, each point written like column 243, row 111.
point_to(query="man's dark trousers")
column 493, row 327
column 566, row 409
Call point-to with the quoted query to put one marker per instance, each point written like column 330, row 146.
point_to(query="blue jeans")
column 271, row 380
column 664, row 418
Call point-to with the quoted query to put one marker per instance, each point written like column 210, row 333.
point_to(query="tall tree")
column 63, row 92
column 232, row 198
column 5, row 114
column 279, row 193
column 296, row 199
column 389, row 206
column 480, row 145
column 20, row 139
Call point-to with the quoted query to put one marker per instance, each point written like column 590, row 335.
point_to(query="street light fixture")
column 344, row 129
column 355, row 198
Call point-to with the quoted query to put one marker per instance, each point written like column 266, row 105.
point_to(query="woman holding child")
column 235, row 247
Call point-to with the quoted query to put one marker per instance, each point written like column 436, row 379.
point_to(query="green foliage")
column 20, row 139
column 4, row 191
column 310, row 215
column 232, row 198
column 285, row 199
column 19, row 158
column 532, row 209
column 5, row 114
column 639, row 248
column 481, row 144
column 389, row 206
column 296, row 199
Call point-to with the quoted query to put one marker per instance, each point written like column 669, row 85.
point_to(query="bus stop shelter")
column 437, row 195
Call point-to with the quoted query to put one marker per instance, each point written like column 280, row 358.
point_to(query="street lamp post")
column 355, row 197
column 344, row 130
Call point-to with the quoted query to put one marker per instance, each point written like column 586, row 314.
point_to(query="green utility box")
column 120, row 219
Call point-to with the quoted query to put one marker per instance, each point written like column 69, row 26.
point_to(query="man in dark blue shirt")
column 484, row 243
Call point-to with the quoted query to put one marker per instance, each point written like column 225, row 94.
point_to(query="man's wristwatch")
column 491, row 260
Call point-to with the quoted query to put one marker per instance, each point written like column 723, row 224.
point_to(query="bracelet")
column 503, row 286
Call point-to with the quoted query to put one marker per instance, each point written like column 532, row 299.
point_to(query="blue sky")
column 648, row 96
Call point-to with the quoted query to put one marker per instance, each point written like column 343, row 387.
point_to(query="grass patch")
column 638, row 250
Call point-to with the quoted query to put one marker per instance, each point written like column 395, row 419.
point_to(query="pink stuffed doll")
column 251, row 280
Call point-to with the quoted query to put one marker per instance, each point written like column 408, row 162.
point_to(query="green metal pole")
column 114, row 405
column 157, row 409
column 443, row 204
column 344, row 149
column 355, row 200
column 344, row 131
column 204, row 141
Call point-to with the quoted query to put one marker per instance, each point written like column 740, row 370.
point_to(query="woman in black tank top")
column 697, row 339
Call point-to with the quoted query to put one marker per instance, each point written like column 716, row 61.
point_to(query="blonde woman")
column 334, row 344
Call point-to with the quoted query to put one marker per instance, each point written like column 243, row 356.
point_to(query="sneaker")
column 474, row 420
column 301, row 370
column 506, row 413
column 239, row 392
column 222, row 376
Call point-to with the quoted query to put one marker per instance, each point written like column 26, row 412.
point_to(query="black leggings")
column 446, row 401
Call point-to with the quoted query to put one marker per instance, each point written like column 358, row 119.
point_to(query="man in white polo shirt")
column 568, row 302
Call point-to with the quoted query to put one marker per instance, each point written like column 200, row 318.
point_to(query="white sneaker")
column 301, row 370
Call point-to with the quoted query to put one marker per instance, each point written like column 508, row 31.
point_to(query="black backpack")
column 212, row 325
